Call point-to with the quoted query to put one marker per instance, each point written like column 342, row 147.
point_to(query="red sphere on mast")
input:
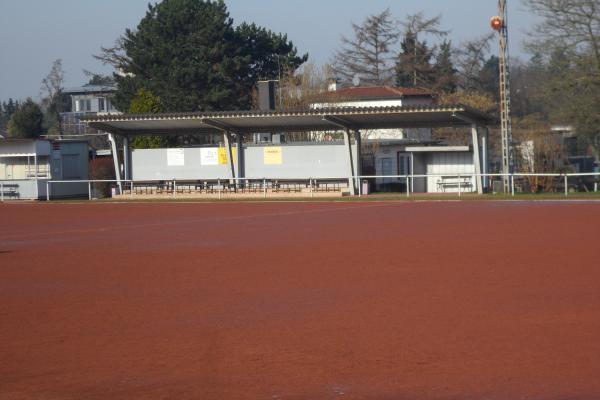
column 497, row 23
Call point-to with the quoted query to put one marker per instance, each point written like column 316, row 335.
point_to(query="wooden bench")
column 287, row 186
column 462, row 182
column 327, row 186
column 10, row 190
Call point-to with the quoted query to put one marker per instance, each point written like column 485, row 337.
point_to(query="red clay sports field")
column 386, row 300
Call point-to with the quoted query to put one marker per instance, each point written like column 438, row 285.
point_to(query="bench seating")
column 10, row 190
column 445, row 182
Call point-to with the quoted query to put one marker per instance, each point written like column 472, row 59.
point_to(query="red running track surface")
column 432, row 300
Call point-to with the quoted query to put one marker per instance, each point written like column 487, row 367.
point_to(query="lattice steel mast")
column 500, row 24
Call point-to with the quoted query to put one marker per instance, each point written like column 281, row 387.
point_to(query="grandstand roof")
column 326, row 119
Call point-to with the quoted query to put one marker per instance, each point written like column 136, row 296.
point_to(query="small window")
column 88, row 105
column 81, row 105
column 100, row 104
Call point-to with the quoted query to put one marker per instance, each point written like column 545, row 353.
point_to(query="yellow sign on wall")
column 272, row 156
column 223, row 155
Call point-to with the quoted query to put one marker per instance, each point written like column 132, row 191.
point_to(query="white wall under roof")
column 386, row 134
column 19, row 148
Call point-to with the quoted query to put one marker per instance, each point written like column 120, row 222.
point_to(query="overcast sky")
column 34, row 33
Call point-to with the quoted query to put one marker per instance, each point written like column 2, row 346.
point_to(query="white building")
column 392, row 152
column 380, row 96
column 26, row 165
column 87, row 100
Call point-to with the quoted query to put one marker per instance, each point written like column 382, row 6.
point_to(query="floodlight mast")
column 499, row 23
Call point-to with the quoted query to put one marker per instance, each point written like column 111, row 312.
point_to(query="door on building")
column 405, row 164
column 387, row 169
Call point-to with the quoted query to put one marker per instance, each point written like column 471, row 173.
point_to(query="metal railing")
column 457, row 183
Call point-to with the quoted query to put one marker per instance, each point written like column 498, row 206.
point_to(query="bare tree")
column 299, row 89
column 52, row 87
column 471, row 58
column 573, row 24
column 568, row 39
column 370, row 54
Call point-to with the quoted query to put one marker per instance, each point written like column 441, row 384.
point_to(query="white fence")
column 262, row 187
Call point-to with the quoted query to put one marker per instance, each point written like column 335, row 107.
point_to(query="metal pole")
column 89, row 190
column 407, row 187
column 1, row 192
column 512, row 184
column 459, row 191
column 596, row 187
column 131, row 189
column 174, row 188
column 264, row 188
column 505, row 105
column 310, row 181
column 566, row 185
column 115, row 155
column 47, row 190
column 359, row 187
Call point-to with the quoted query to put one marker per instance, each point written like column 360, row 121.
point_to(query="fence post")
column 566, row 185
column 131, row 189
column 359, row 186
column 512, row 184
column 89, row 190
column 459, row 186
column 596, row 187
column 265, row 188
column 47, row 190
column 312, row 192
column 174, row 188
column 1, row 192
column 407, row 187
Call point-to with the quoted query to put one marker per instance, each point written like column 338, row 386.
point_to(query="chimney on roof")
column 333, row 84
column 266, row 95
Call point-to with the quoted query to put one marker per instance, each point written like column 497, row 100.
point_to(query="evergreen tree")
column 146, row 103
column 413, row 66
column 11, row 107
column 445, row 72
column 188, row 54
column 26, row 122
column 489, row 76
column 7, row 109
column 100, row 80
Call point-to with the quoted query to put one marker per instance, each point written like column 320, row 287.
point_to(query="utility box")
column 365, row 186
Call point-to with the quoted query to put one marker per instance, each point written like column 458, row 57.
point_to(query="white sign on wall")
column 175, row 157
column 209, row 156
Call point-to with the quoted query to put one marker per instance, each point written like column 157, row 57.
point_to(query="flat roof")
column 326, row 119
column 434, row 149
column 91, row 89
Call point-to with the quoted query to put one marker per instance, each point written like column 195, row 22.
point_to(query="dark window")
column 100, row 104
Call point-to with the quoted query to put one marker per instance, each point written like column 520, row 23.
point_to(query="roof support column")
column 358, row 141
column 113, row 146
column 126, row 159
column 227, row 139
column 476, row 158
column 351, row 180
column 239, row 140
column 485, row 159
